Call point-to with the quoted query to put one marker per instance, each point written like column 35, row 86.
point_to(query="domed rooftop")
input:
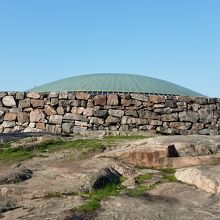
column 113, row 82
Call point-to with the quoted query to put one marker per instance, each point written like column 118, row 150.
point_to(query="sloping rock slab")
column 172, row 151
column 168, row 201
column 205, row 178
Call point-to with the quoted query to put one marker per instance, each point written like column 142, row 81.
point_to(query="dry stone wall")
column 72, row 112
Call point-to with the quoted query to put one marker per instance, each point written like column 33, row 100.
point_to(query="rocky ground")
column 162, row 177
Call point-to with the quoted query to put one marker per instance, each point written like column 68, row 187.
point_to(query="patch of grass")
column 95, row 197
column 14, row 154
column 140, row 179
column 170, row 178
column 140, row 190
column 86, row 146
column 168, row 170
column 5, row 145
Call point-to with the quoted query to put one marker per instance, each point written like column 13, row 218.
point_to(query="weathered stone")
column 155, row 122
column 83, row 103
column 56, row 119
column 100, row 100
column 112, row 120
column 63, row 95
column 212, row 100
column 90, row 103
column 2, row 94
column 126, row 102
column 67, row 127
column 170, row 117
column 71, row 96
column 195, row 107
column 132, row 113
column 163, row 130
column 54, row 129
column 170, row 103
column 15, row 110
column 33, row 95
column 10, row 116
column 112, row 99
column 213, row 132
column 140, row 97
column 60, row 110
column 15, row 175
column 116, row 113
column 205, row 116
column 200, row 100
column 9, row 101
column 78, row 110
column 54, row 101
column 65, row 102
column 24, row 103
column 217, row 113
column 147, row 114
column 75, row 103
column 167, row 110
column 28, row 109
column 53, row 95
column 40, row 125
column 49, row 110
column 97, row 121
column 204, row 131
column 8, row 124
column 81, row 123
column 156, row 99
column 101, row 113
column 19, row 95
column 37, row 116
column 88, row 112
column 136, row 103
column 37, row 103
column 104, row 177
column 130, row 120
column 189, row 116
column 72, row 116
column 197, row 126
column 160, row 105
column 180, row 125
column 185, row 99
column 82, row 95
column 205, row 178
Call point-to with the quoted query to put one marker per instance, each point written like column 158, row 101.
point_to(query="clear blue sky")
column 46, row 40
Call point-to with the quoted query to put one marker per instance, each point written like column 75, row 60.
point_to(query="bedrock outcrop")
column 170, row 152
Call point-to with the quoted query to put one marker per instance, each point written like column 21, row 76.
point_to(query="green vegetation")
column 140, row 190
column 86, row 146
column 170, row 178
column 14, row 154
column 168, row 170
column 95, row 197
column 140, row 179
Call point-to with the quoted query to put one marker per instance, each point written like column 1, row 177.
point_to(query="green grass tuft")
column 95, row 197
column 140, row 179
column 170, row 178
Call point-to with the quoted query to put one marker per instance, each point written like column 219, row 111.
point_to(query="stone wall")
column 72, row 112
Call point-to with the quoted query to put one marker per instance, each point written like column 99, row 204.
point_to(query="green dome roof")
column 113, row 82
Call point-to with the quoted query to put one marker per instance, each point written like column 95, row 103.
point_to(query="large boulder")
column 205, row 178
column 104, row 177
column 9, row 101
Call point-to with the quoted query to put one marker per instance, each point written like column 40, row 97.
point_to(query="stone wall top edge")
column 75, row 92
